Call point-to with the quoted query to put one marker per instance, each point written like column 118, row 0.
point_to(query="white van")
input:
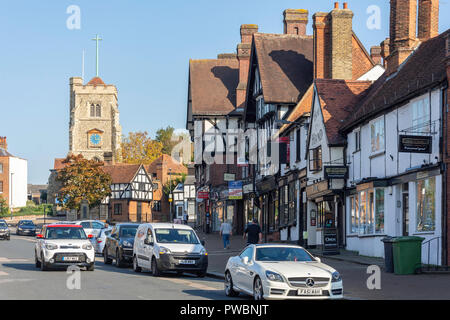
column 163, row 247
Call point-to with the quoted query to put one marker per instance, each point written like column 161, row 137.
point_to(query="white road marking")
column 14, row 280
column 3, row 259
column 4, row 273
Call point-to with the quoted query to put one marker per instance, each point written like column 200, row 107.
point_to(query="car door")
column 246, row 271
column 148, row 244
column 109, row 242
column 39, row 243
column 240, row 268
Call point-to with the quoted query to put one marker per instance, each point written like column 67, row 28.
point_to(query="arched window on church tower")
column 98, row 111
column 92, row 110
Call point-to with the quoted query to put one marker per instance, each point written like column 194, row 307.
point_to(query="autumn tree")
column 82, row 180
column 3, row 206
column 139, row 148
column 168, row 139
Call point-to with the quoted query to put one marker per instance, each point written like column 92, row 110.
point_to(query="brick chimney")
column 3, row 144
column 375, row 54
column 243, row 55
column 428, row 24
column 385, row 51
column 295, row 21
column 333, row 56
column 403, row 24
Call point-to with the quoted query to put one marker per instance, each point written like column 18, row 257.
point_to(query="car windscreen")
column 65, row 233
column 282, row 254
column 128, row 231
column 27, row 223
column 97, row 225
column 182, row 236
column 3, row 225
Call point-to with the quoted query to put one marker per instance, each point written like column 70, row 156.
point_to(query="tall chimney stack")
column 341, row 43
column 428, row 24
column 402, row 31
column 385, row 51
column 243, row 55
column 375, row 54
column 3, row 144
column 295, row 21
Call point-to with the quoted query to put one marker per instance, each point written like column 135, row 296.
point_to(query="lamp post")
column 170, row 192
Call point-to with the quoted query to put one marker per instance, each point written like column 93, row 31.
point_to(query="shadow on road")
column 21, row 266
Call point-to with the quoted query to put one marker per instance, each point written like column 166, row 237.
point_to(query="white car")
column 92, row 227
column 63, row 245
column 276, row 271
column 99, row 243
column 163, row 247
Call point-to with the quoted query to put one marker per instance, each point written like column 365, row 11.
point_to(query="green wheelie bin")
column 407, row 254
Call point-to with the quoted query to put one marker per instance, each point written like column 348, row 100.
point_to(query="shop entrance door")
column 405, row 214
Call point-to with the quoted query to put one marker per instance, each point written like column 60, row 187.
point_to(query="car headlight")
column 51, row 246
column 163, row 250
column 87, row 246
column 127, row 244
column 335, row 277
column 272, row 276
column 203, row 252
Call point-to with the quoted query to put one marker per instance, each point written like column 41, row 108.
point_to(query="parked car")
column 119, row 244
column 5, row 233
column 99, row 243
column 63, row 245
column 169, row 247
column 281, row 272
column 92, row 227
column 26, row 227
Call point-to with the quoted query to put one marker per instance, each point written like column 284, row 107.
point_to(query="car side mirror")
column 148, row 242
column 203, row 242
column 318, row 259
column 245, row 260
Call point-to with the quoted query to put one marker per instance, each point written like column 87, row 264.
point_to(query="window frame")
column 382, row 143
column 315, row 159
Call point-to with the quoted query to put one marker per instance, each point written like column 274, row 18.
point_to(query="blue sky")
column 145, row 52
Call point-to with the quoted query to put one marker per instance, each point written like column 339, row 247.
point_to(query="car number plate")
column 187, row 261
column 309, row 292
column 70, row 259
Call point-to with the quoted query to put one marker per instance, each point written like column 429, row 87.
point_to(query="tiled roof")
column 58, row 164
column 4, row 153
column 121, row 173
column 424, row 69
column 168, row 162
column 337, row 100
column 286, row 66
column 213, row 86
column 96, row 81
column 302, row 108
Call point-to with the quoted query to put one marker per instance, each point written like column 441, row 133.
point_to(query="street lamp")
column 170, row 192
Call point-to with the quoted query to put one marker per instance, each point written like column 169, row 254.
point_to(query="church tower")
column 94, row 129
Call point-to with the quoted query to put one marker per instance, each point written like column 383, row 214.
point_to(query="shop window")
column 354, row 214
column 315, row 159
column 292, row 202
column 377, row 135
column 367, row 212
column 379, row 211
column 426, row 205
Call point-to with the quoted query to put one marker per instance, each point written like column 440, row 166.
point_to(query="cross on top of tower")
column 97, row 39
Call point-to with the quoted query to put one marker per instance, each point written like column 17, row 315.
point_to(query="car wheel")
column 36, row 261
column 106, row 259
column 118, row 261
column 91, row 267
column 136, row 267
column 155, row 271
column 8, row 238
column 43, row 264
column 258, row 293
column 229, row 291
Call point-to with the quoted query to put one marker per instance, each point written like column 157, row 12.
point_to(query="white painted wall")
column 18, row 182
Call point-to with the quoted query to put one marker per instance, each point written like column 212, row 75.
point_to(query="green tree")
column 171, row 184
column 139, row 148
column 167, row 138
column 3, row 206
column 82, row 180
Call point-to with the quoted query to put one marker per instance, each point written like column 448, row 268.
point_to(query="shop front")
column 325, row 216
column 405, row 205
column 266, row 203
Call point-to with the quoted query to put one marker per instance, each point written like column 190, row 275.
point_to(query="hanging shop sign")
column 335, row 172
column 415, row 144
column 235, row 190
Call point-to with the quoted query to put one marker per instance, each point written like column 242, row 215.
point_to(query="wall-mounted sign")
column 235, row 190
column 248, row 188
column 335, row 172
column 229, row 177
column 313, row 218
column 415, row 144
column 203, row 195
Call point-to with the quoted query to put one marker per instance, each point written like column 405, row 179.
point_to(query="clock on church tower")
column 95, row 138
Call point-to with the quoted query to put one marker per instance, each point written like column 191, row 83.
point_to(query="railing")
column 428, row 243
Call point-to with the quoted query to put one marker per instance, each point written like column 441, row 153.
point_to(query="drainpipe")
column 444, row 152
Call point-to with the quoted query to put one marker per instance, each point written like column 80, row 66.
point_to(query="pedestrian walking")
column 253, row 232
column 185, row 217
column 225, row 232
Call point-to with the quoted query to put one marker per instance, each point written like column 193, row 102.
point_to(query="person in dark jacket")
column 253, row 232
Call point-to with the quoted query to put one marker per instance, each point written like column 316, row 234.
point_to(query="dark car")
column 5, row 233
column 26, row 227
column 119, row 244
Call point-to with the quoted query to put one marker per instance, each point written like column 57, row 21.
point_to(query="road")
column 19, row 279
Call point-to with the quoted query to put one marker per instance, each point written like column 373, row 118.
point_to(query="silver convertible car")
column 277, row 271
